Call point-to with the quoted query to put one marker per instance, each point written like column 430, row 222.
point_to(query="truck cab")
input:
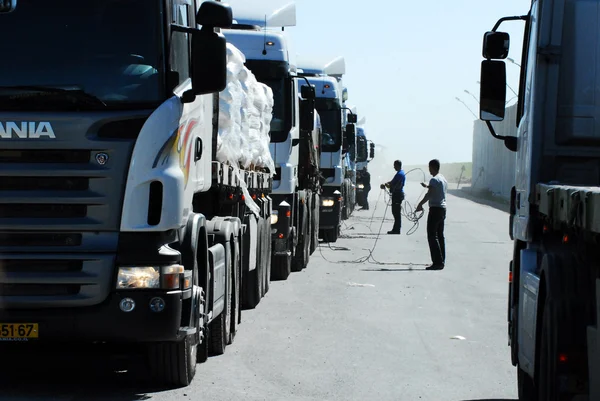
column 269, row 55
column 365, row 152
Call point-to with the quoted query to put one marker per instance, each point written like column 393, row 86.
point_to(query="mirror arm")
column 501, row 20
column 509, row 141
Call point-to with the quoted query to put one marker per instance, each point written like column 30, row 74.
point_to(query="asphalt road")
column 342, row 330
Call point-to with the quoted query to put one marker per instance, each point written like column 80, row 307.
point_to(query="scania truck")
column 296, row 186
column 119, row 224
column 335, row 142
column 554, row 275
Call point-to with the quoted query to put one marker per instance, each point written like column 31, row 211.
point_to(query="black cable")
column 412, row 216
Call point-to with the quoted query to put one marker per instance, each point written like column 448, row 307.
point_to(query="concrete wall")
column 493, row 163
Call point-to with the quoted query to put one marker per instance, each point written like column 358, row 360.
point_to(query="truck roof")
column 277, row 13
column 252, row 43
column 322, row 66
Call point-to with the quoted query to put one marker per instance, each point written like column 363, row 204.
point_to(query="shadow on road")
column 404, row 269
column 460, row 193
column 71, row 376
column 494, row 399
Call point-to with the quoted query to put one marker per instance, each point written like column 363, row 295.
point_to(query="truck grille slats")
column 37, row 156
column 60, row 207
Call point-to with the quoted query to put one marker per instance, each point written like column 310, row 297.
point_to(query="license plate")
column 18, row 331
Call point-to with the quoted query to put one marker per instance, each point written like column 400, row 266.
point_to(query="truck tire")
column 268, row 250
column 282, row 267
column 220, row 328
column 300, row 259
column 330, row 235
column 235, row 286
column 173, row 364
column 251, row 279
column 314, row 243
column 526, row 387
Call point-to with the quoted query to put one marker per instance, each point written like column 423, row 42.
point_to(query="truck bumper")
column 105, row 322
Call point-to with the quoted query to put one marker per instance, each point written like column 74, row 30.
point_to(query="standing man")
column 396, row 187
column 436, row 196
column 366, row 179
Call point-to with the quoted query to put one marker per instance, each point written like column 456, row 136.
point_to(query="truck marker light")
column 157, row 304
column 546, row 228
column 563, row 358
column 254, row 196
column 170, row 276
column 269, row 43
column 230, row 196
column 280, row 235
column 127, row 305
column 288, row 213
column 565, row 239
column 510, row 277
column 187, row 283
column 243, row 198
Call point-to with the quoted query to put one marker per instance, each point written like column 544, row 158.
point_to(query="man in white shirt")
column 436, row 196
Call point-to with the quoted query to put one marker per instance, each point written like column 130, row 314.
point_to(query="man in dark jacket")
column 396, row 186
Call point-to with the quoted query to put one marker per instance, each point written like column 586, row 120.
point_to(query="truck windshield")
column 280, row 125
column 330, row 112
column 361, row 148
column 108, row 51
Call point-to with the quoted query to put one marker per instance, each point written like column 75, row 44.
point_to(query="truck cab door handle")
column 198, row 149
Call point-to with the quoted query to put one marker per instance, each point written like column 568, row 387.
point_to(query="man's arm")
column 425, row 198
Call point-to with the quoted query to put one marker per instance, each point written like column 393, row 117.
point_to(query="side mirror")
column 209, row 62
column 214, row 15
column 496, row 45
column 352, row 118
column 350, row 134
column 7, row 6
column 307, row 115
column 308, row 92
column 492, row 96
column 345, row 94
column 372, row 151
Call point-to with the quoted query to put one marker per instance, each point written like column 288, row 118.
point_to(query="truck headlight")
column 149, row 277
column 361, row 186
column 328, row 202
column 274, row 217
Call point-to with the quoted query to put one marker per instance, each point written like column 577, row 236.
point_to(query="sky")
column 406, row 62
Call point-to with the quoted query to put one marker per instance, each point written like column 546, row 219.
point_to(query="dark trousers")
column 397, row 211
column 435, row 235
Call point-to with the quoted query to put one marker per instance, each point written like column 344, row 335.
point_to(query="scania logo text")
column 26, row 130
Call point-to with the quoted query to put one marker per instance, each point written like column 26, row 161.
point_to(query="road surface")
column 345, row 331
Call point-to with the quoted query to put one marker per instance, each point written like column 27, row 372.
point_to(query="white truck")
column 337, row 139
column 554, row 285
column 296, row 190
column 134, row 193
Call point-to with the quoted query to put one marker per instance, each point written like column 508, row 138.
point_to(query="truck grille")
column 60, row 209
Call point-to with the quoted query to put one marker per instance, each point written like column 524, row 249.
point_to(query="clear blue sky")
column 406, row 62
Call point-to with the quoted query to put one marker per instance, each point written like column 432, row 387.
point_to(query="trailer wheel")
column 526, row 386
column 173, row 364
column 282, row 267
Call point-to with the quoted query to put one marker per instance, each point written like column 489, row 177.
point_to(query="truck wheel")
column 173, row 364
column 330, row 235
column 235, row 287
column 526, row 386
column 282, row 267
column 269, row 250
column 220, row 327
column 252, row 258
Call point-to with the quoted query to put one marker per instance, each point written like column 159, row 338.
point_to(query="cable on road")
column 407, row 211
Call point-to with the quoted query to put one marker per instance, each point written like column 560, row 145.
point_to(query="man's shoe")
column 435, row 267
column 394, row 232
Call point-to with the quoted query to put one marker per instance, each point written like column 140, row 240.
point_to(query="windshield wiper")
column 75, row 92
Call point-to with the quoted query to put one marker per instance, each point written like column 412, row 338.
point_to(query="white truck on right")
column 554, row 286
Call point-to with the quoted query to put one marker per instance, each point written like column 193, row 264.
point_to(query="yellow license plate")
column 18, row 331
